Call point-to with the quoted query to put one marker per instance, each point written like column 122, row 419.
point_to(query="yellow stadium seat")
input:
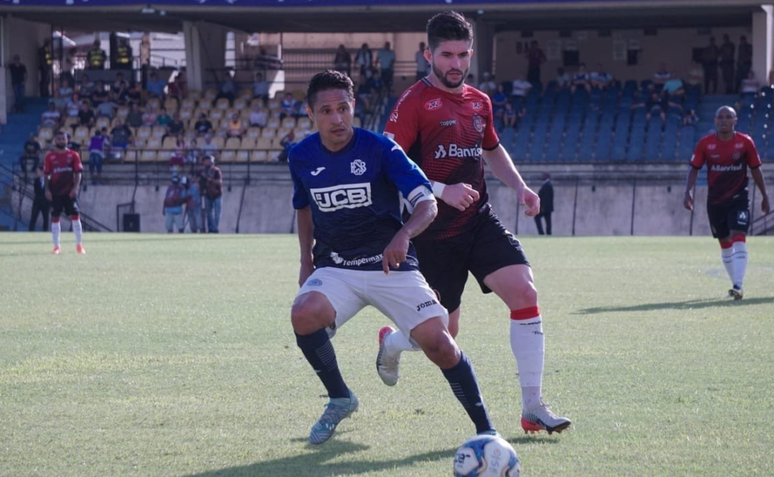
column 45, row 134
column 186, row 115
column 223, row 103
column 153, row 103
column 273, row 123
column 263, row 144
column 171, row 105
column 274, row 156
column 130, row 155
column 170, row 142
column 240, row 104
column 122, row 112
column 217, row 115
column 139, row 142
column 153, row 143
column 211, row 94
column 71, row 122
column 81, row 134
column 148, row 155
column 102, row 122
column 163, row 156
column 253, row 132
column 219, row 142
column 159, row 131
column 143, row 132
column 268, row 132
column 227, row 155
column 205, row 104
column 194, row 94
column 188, row 103
column 259, row 156
column 289, row 123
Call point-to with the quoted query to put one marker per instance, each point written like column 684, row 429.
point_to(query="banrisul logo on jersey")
column 344, row 196
column 454, row 150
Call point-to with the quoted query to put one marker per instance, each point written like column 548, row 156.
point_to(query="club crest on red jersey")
column 434, row 104
column 478, row 123
column 736, row 155
column 477, row 105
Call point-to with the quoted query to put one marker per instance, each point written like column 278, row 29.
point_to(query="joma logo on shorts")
column 426, row 304
column 344, row 196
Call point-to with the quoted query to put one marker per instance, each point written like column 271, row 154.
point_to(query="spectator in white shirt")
column 521, row 87
column 581, row 79
column 562, row 78
column 661, row 76
column 258, row 116
column 261, row 87
column 599, row 78
column 750, row 85
column 488, row 86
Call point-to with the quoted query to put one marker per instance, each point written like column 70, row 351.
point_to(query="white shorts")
column 404, row 297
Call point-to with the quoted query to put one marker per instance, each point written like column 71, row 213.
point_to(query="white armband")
column 419, row 194
column 438, row 188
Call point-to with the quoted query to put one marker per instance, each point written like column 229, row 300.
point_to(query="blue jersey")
column 355, row 198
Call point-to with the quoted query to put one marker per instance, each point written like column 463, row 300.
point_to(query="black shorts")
column 732, row 215
column 66, row 203
column 484, row 249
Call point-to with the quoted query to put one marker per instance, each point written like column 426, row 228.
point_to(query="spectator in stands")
column 727, row 53
column 743, row 61
column 203, row 125
column 192, row 153
column 172, row 211
column 73, row 106
column 235, row 126
column 193, row 204
column 228, row 88
column 581, row 79
column 40, row 204
column 750, row 85
column 86, row 86
column 546, row 194
column 134, row 118
column 288, row 106
column 511, row 116
column 150, row 116
column 287, row 142
column 155, row 86
column 661, row 76
column 86, row 115
column 674, row 88
column 208, row 146
column 96, row 57
column 364, row 59
column 134, row 93
column 260, row 88
column 488, row 85
column 363, row 91
column 600, row 79
column 690, row 118
column 499, row 100
column 695, row 75
column 176, row 126
column 45, row 64
column 177, row 87
column 520, row 90
column 99, row 95
column 64, row 93
column 709, row 60
column 163, row 118
column 342, row 61
column 562, row 79
column 18, row 79
column 52, row 117
column 117, row 82
column 178, row 156
column 98, row 146
column 535, row 58
column 31, row 155
column 386, row 57
column 211, row 182
column 106, row 108
column 258, row 116
column 121, row 136
column 423, row 67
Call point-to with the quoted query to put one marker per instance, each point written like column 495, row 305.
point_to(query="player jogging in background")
column 447, row 128
column 63, row 170
column 728, row 154
column 356, row 251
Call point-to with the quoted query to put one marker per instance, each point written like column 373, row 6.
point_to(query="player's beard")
column 442, row 77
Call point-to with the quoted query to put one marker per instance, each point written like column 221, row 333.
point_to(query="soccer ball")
column 486, row 456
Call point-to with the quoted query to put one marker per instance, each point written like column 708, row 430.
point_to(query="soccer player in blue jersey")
column 356, row 251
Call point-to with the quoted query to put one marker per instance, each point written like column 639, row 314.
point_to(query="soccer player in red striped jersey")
column 728, row 154
column 447, row 128
column 63, row 169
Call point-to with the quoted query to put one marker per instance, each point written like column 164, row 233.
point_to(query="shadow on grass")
column 679, row 305
column 316, row 464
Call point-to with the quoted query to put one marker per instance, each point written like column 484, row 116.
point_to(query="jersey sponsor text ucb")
column 454, row 150
column 342, row 196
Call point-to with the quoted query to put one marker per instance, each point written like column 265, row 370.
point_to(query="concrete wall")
column 603, row 210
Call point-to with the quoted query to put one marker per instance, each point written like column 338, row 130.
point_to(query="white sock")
column 728, row 262
column 398, row 342
column 528, row 346
column 78, row 231
column 56, row 230
column 739, row 263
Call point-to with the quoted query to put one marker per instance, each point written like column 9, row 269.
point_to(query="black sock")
column 463, row 382
column 318, row 350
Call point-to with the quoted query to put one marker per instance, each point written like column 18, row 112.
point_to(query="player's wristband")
column 438, row 188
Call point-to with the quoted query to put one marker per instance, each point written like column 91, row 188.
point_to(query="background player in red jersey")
column 63, row 169
column 447, row 129
column 727, row 154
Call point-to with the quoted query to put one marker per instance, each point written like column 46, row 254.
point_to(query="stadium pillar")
column 205, row 54
column 483, row 44
column 762, row 41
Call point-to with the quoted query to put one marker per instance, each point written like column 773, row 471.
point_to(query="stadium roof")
column 375, row 15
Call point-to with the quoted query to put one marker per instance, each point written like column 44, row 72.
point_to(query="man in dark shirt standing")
column 743, row 62
column 546, row 194
column 18, row 78
column 727, row 51
column 40, row 204
column 535, row 58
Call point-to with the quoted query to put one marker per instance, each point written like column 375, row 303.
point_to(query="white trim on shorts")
column 404, row 297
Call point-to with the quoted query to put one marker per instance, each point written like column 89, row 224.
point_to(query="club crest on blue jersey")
column 358, row 167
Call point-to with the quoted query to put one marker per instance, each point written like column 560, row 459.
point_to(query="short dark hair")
column 329, row 79
column 448, row 26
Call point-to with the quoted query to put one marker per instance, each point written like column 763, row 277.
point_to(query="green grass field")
column 174, row 356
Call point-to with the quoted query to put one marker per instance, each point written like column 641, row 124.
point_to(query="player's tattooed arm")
column 395, row 252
